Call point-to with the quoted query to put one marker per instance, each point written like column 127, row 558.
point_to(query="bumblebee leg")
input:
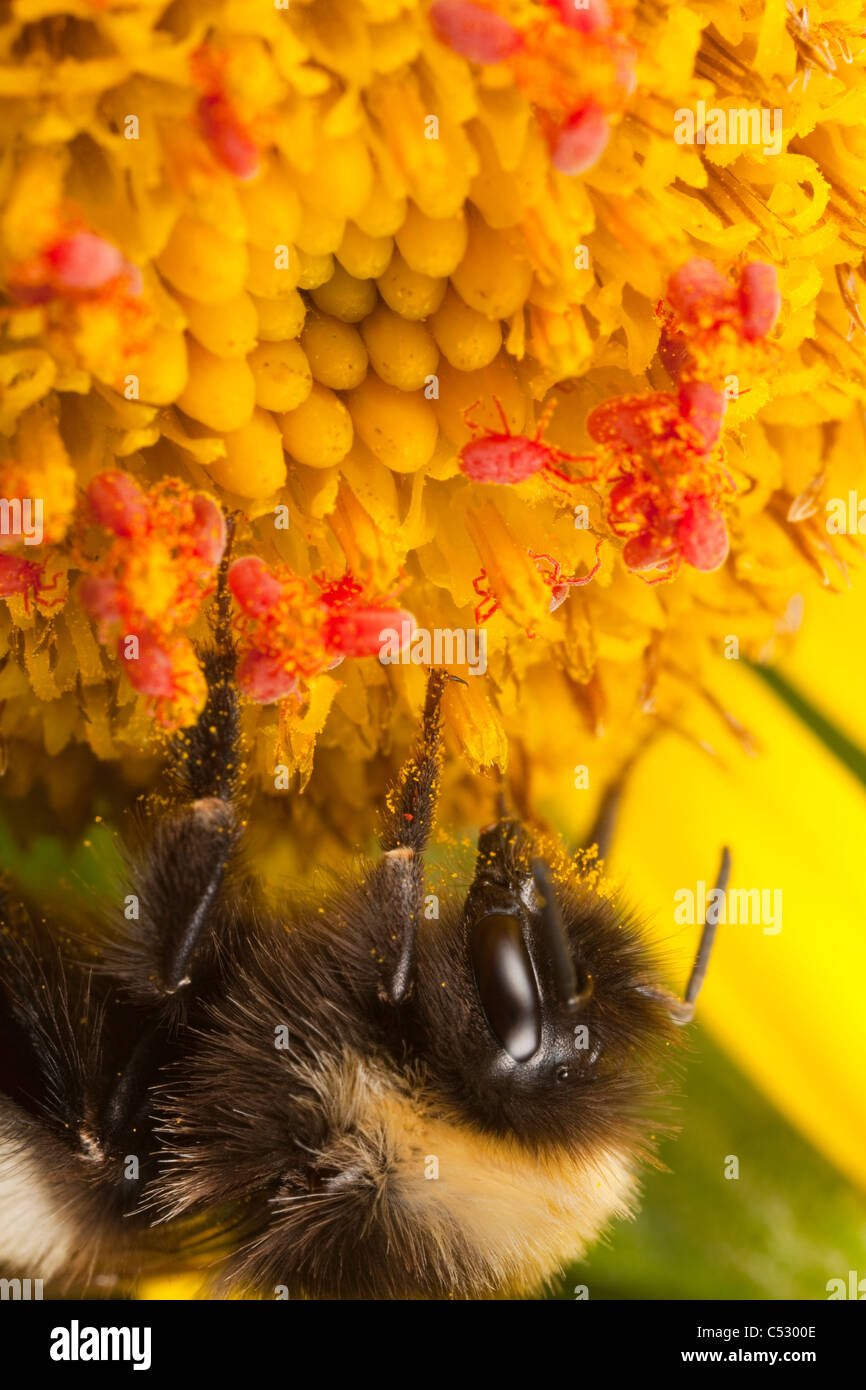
column 177, row 879
column 180, row 872
column 398, row 879
column 205, row 757
column 52, row 1039
column 410, row 811
column 23, row 1004
column 176, row 888
column 127, row 1102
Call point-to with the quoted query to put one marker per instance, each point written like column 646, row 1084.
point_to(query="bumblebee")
column 343, row 1096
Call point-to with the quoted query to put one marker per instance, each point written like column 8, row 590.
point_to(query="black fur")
column 167, row 1048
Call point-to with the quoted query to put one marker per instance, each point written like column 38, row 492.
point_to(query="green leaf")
column 783, row 1228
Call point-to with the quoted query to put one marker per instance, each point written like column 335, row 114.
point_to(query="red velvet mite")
column 512, row 458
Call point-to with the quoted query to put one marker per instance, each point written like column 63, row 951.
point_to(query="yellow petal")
column 785, row 1003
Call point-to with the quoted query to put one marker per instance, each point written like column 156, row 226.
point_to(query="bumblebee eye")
column 506, row 984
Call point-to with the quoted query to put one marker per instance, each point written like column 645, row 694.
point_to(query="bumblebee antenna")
column 602, row 832
column 604, row 826
column 556, row 941
column 682, row 1011
column 708, row 935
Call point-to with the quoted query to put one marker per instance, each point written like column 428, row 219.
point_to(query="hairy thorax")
column 480, row 1214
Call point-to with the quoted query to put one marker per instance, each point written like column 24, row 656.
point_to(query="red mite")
column 119, row 504
column 582, row 140
column 696, row 533
column 254, row 587
column 512, row 458
column 19, row 576
column 704, row 408
column 102, row 599
column 152, row 671
column 356, row 631
column 759, row 299
column 293, row 631
column 702, row 535
column 489, row 602
column 643, row 424
column 228, row 138
column 208, row 530
column 353, row 625
column 163, row 666
column 474, row 32
column 84, row 261
column 650, row 550
column 664, row 503
column 77, row 265
column 264, row 679
column 587, row 18
column 560, row 585
column 628, row 423
column 698, row 291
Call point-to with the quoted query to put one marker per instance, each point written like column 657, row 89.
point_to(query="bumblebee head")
column 539, row 1004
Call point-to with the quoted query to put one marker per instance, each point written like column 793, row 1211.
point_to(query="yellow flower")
column 779, row 994
column 282, row 255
